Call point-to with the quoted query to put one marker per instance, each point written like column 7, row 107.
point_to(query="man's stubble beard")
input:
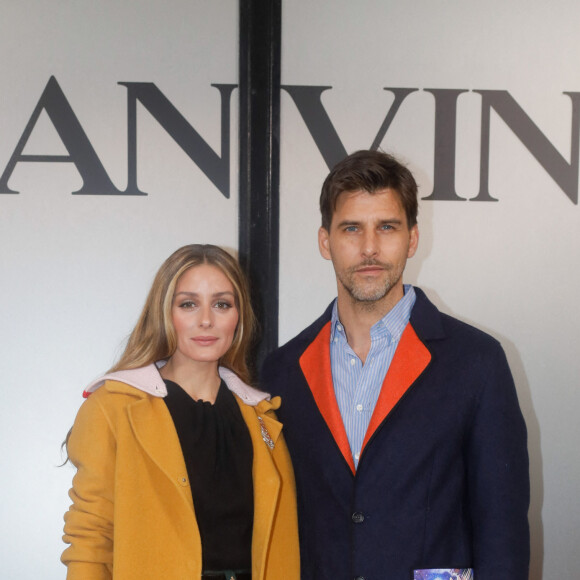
column 369, row 297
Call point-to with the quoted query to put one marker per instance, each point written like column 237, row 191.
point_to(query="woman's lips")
column 204, row 340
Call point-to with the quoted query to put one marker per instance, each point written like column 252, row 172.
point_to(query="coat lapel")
column 315, row 365
column 155, row 431
column 410, row 360
column 264, row 431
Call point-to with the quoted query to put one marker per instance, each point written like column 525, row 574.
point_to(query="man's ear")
column 413, row 241
column 324, row 243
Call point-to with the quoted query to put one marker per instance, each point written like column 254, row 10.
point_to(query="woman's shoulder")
column 115, row 391
column 110, row 398
column 145, row 380
column 247, row 394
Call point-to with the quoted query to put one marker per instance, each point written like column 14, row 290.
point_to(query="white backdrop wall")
column 76, row 268
column 508, row 267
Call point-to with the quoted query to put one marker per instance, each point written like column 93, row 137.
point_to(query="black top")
column 218, row 453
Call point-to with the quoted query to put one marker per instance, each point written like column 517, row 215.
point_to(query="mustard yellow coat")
column 132, row 516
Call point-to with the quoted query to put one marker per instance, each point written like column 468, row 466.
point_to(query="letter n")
column 563, row 173
column 216, row 168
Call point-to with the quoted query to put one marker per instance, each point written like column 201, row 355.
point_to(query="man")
column 403, row 423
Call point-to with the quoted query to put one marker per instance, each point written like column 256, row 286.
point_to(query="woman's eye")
column 187, row 304
column 223, row 305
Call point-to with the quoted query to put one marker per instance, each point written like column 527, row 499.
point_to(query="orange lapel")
column 410, row 360
column 315, row 364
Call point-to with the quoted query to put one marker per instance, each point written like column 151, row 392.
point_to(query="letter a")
column 81, row 152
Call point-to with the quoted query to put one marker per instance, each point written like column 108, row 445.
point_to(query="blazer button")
column 360, row 578
column 358, row 518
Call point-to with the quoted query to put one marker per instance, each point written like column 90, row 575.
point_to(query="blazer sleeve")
column 89, row 522
column 498, row 476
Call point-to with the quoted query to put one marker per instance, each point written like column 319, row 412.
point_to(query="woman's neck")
column 200, row 380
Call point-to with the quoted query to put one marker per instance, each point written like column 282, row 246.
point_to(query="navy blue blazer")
column 443, row 476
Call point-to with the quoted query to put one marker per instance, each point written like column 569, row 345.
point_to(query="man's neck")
column 359, row 317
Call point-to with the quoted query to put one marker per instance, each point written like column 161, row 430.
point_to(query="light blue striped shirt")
column 357, row 386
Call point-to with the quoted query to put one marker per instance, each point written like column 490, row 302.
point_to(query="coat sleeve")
column 89, row 521
column 498, row 475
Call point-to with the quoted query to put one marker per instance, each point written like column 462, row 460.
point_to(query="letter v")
column 309, row 104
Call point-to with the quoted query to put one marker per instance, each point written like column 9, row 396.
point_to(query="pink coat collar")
column 148, row 380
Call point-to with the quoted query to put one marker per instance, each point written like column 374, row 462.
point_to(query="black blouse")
column 218, row 453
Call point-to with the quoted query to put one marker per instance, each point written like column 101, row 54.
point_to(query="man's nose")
column 370, row 244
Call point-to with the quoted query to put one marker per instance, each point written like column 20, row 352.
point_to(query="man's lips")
column 369, row 270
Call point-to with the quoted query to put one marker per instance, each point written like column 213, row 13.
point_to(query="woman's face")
column 204, row 314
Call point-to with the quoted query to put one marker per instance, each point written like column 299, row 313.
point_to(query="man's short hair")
column 370, row 171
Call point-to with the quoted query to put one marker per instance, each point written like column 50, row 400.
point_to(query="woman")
column 182, row 470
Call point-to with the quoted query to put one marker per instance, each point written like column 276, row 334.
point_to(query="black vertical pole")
column 259, row 199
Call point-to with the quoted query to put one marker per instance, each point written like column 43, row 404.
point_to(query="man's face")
column 369, row 242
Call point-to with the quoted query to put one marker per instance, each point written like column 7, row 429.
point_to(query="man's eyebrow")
column 347, row 223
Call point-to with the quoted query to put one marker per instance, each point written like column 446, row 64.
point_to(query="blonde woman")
column 182, row 469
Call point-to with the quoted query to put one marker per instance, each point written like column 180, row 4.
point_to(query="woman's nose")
column 206, row 317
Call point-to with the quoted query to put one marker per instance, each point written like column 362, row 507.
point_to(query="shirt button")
column 352, row 361
column 338, row 327
column 358, row 518
column 357, row 456
column 359, row 407
column 336, row 339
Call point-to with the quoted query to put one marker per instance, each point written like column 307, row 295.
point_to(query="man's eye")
column 386, row 227
column 351, row 229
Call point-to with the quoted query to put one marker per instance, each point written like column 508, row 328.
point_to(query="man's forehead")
column 362, row 201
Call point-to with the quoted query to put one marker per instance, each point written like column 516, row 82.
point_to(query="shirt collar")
column 391, row 325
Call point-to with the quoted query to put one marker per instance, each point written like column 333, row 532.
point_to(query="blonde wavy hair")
column 154, row 337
